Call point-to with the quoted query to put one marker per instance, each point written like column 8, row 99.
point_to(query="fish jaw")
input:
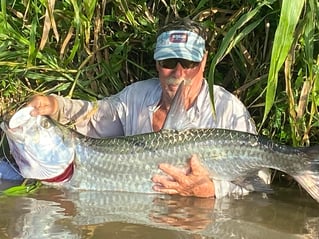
column 15, row 134
column 39, row 151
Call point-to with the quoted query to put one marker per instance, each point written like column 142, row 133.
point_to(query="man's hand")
column 43, row 105
column 194, row 181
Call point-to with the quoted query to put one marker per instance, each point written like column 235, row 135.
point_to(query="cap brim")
column 180, row 52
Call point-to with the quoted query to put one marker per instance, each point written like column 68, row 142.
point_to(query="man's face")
column 173, row 71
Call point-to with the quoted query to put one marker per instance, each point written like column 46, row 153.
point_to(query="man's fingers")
column 174, row 172
column 164, row 181
column 161, row 189
column 192, row 180
column 164, row 184
column 43, row 105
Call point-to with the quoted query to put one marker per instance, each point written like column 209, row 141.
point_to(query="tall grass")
column 265, row 52
column 296, row 46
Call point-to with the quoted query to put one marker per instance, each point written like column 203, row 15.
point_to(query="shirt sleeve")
column 95, row 119
column 224, row 188
column 125, row 113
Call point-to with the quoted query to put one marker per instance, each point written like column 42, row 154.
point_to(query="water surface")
column 56, row 213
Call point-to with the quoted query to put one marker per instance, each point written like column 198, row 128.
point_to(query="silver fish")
column 128, row 163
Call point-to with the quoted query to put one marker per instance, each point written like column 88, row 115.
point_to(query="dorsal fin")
column 177, row 117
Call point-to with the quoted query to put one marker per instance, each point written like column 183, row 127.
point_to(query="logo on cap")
column 178, row 37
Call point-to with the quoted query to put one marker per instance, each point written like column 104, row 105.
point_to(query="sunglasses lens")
column 168, row 63
column 188, row 64
column 172, row 63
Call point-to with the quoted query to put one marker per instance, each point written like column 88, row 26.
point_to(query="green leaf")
column 23, row 189
column 284, row 36
column 230, row 40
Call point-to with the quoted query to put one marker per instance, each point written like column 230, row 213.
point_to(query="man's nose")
column 178, row 70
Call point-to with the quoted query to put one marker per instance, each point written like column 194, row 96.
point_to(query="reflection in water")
column 53, row 213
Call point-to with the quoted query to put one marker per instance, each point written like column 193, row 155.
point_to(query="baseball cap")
column 179, row 44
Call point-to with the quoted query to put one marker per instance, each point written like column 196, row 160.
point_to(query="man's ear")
column 157, row 66
column 203, row 62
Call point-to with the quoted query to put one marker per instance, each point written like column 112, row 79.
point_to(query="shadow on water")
column 54, row 213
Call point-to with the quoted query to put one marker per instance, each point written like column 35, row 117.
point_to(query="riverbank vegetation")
column 265, row 52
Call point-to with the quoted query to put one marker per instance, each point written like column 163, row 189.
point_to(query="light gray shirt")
column 131, row 112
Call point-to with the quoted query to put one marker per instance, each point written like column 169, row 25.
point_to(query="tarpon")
column 45, row 150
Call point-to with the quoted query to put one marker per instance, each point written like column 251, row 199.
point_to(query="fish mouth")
column 15, row 143
column 15, row 134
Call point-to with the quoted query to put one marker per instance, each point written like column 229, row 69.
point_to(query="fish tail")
column 309, row 178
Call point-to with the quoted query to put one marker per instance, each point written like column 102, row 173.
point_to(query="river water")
column 56, row 213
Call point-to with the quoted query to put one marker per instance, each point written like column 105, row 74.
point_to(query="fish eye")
column 45, row 123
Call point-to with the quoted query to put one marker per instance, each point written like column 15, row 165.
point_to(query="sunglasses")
column 172, row 63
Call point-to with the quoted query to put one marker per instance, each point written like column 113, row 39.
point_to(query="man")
column 141, row 107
